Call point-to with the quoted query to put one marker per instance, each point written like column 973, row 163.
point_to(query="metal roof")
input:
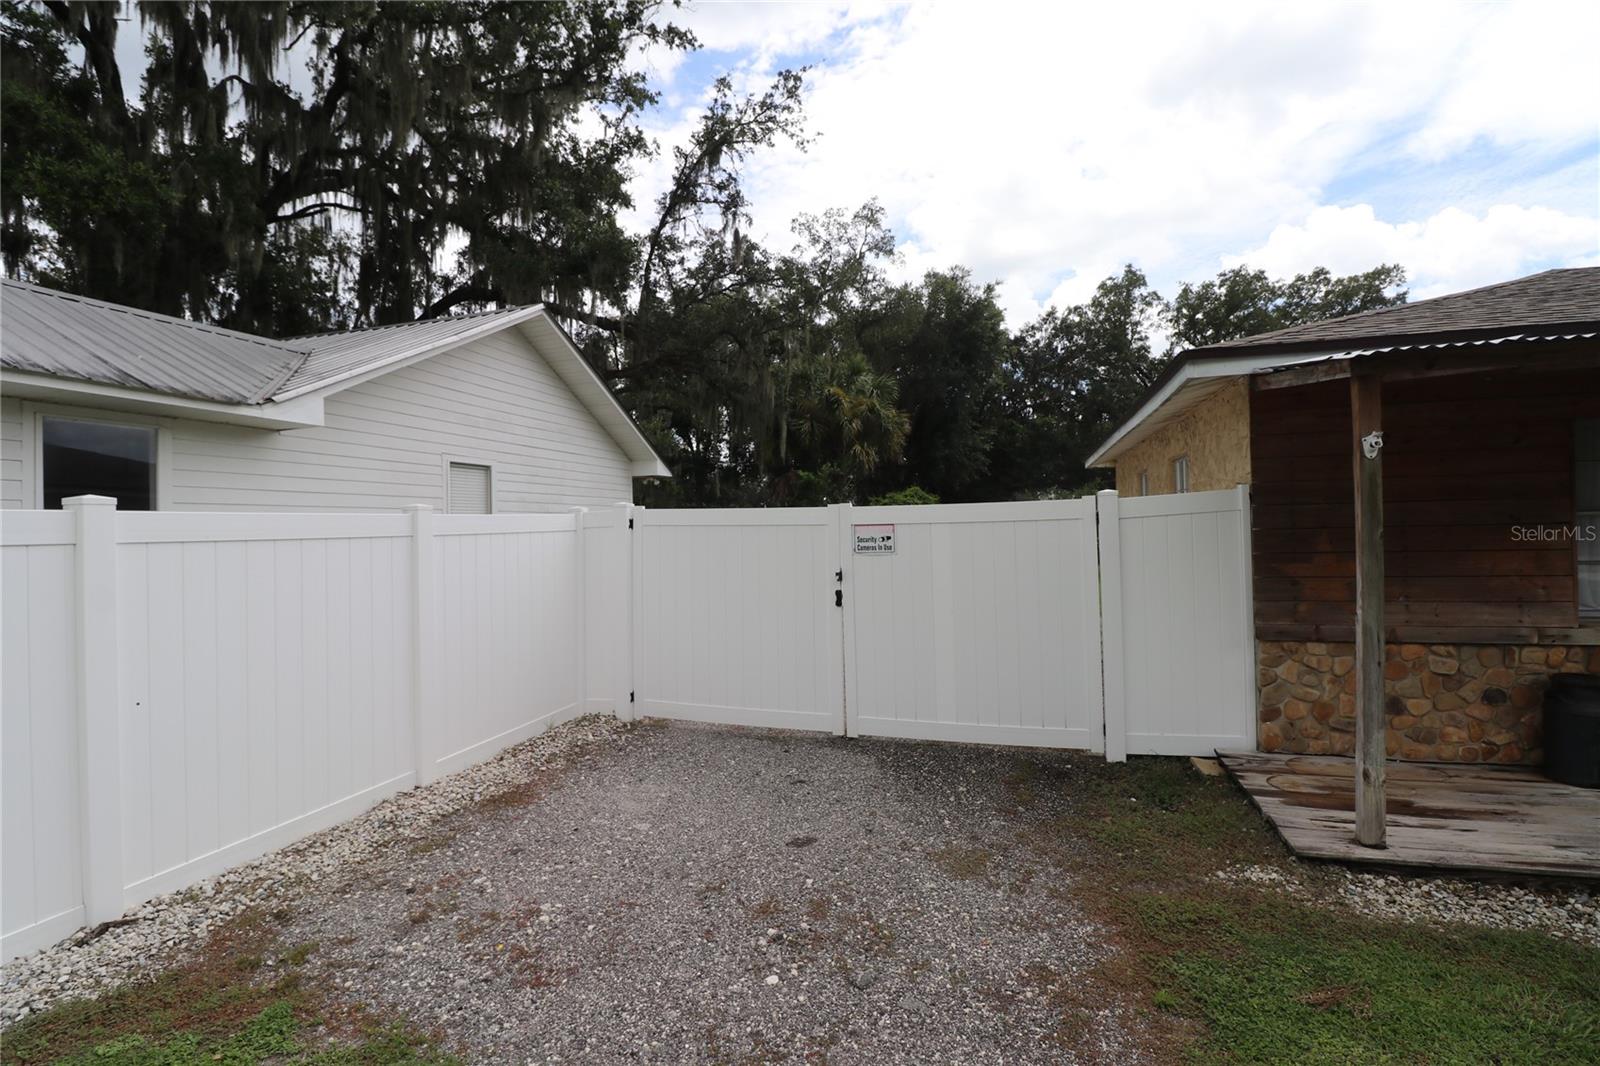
column 68, row 337
column 43, row 331
column 337, row 356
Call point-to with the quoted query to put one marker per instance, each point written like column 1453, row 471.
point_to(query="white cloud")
column 1449, row 251
column 1045, row 146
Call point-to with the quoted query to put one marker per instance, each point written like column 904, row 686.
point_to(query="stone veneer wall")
column 1446, row 702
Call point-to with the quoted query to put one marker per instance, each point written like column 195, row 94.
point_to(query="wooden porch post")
column 1366, row 422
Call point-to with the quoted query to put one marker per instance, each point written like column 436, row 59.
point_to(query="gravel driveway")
column 704, row 894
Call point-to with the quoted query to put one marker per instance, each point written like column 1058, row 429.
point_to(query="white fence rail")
column 184, row 691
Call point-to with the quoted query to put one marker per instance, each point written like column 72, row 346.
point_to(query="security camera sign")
column 874, row 540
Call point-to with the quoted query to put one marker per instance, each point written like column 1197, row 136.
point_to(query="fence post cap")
column 1103, row 493
column 73, row 503
column 413, row 508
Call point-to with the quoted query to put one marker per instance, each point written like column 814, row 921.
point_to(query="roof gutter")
column 296, row 414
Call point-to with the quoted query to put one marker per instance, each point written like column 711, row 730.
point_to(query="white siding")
column 387, row 442
column 11, row 453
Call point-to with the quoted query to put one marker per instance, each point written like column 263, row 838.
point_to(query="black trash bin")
column 1572, row 729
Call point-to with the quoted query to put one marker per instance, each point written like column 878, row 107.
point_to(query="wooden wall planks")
column 1467, row 460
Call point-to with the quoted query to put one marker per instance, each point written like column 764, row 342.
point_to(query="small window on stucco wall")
column 1180, row 474
column 1144, row 482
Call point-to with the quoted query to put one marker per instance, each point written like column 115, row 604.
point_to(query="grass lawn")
column 241, row 1001
column 1250, row 975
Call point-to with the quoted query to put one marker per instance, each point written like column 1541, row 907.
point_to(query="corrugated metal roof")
column 57, row 334
column 336, row 356
column 43, row 331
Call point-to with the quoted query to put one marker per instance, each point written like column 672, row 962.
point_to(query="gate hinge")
column 630, row 523
column 838, row 597
column 630, row 697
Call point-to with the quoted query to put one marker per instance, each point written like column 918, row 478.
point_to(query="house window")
column 1180, row 474
column 1144, row 482
column 1588, row 496
column 101, row 458
column 471, row 489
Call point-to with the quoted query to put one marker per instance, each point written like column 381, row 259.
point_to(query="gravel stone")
column 1567, row 911
column 166, row 929
column 650, row 908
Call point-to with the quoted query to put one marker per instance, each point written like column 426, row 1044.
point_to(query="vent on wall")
column 470, row 489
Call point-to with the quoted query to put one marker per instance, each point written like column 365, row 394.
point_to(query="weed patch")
column 1251, row 975
column 243, row 999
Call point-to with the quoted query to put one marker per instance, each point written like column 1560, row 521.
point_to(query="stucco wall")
column 1214, row 434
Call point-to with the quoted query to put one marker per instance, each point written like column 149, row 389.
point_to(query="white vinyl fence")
column 185, row 691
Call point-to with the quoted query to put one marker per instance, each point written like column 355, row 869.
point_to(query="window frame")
column 461, row 460
column 1180, row 465
column 1144, row 483
column 35, row 413
column 1585, row 520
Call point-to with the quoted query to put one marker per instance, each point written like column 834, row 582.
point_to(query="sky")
column 1043, row 146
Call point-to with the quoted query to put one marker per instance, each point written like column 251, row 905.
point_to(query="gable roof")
column 336, row 356
column 74, row 339
column 1552, row 306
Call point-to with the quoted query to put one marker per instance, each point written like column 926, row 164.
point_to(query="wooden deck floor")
column 1505, row 820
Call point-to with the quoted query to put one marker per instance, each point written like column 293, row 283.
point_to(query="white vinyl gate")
column 1099, row 624
column 734, row 621
column 983, row 624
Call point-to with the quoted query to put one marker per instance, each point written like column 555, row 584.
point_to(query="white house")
column 479, row 413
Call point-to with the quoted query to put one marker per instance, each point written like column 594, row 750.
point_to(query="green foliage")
column 1241, row 302
column 910, row 496
column 445, row 142
column 477, row 153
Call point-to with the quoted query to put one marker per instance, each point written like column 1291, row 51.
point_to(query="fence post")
column 622, row 678
column 423, row 652
column 1248, row 698
column 840, row 630
column 99, row 714
column 581, row 608
column 1113, row 678
column 636, row 579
